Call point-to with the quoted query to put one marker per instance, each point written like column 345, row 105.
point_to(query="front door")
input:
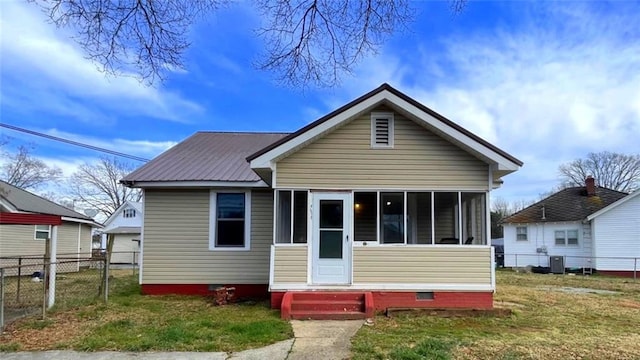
column 331, row 244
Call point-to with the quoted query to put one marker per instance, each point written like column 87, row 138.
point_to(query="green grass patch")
column 546, row 323
column 10, row 347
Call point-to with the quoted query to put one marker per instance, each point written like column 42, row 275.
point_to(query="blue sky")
column 546, row 81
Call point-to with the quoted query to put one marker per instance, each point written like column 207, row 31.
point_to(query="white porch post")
column 53, row 251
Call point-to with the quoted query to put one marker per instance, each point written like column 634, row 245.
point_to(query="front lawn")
column 546, row 323
column 133, row 322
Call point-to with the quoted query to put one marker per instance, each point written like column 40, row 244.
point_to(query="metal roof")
column 25, row 201
column 571, row 204
column 206, row 156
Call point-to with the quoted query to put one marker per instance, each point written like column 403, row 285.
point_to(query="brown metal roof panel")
column 206, row 156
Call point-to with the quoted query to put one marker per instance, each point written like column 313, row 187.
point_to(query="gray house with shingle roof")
column 564, row 224
column 74, row 234
column 381, row 203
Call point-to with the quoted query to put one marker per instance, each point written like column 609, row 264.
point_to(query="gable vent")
column 381, row 130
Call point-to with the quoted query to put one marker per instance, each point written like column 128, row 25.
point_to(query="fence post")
column 106, row 279
column 1, row 300
column 19, row 278
column 133, row 263
column 516, row 255
column 44, row 290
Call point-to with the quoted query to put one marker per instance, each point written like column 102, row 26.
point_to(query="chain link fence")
column 585, row 265
column 27, row 289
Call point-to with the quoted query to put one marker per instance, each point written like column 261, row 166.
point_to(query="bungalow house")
column 588, row 227
column 381, row 203
column 26, row 222
column 125, row 224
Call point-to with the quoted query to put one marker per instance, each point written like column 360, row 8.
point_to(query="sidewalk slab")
column 277, row 351
column 323, row 340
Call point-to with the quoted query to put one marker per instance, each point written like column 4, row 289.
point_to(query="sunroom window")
column 291, row 215
column 420, row 217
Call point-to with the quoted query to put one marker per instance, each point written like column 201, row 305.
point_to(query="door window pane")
column 365, row 213
column 392, row 222
column 330, row 244
column 331, row 214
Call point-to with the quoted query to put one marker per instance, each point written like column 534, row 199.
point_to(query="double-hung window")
column 566, row 237
column 42, row 232
column 230, row 220
column 521, row 233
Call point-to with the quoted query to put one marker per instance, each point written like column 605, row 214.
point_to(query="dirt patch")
column 35, row 335
column 450, row 313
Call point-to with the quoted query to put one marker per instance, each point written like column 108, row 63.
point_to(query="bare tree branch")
column 308, row 42
column 25, row 171
column 97, row 186
column 611, row 170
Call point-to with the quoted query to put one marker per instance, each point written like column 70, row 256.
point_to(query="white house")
column 616, row 232
column 125, row 224
column 590, row 227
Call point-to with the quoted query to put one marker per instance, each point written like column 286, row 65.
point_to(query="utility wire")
column 67, row 141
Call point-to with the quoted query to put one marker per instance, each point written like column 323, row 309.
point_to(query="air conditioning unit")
column 556, row 264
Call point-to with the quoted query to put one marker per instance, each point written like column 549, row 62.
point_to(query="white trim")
column 614, row 205
column 272, row 265
column 387, row 189
column 433, row 218
column 213, row 221
column 487, row 218
column 389, row 117
column 141, row 253
column 191, row 184
column 90, row 222
column 5, row 203
column 386, row 287
column 265, row 160
column 309, row 237
column 460, row 234
column 275, row 217
column 452, row 246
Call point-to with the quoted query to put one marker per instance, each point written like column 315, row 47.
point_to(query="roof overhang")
column 386, row 95
column 194, row 184
column 82, row 221
column 613, row 205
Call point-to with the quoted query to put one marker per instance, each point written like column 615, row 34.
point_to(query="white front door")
column 331, row 242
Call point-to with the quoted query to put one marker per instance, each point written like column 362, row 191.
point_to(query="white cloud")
column 546, row 91
column 43, row 69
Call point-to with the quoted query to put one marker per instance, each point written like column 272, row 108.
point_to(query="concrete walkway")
column 314, row 340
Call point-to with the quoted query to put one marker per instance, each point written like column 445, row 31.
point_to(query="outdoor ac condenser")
column 556, row 264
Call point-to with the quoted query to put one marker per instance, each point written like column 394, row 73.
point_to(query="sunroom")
column 393, row 239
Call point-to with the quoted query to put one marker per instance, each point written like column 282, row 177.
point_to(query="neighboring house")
column 25, row 224
column 125, row 225
column 383, row 200
column 578, row 223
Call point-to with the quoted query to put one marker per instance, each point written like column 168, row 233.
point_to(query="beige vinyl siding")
column 421, row 265
column 290, row 264
column 124, row 248
column 419, row 159
column 176, row 241
column 85, row 241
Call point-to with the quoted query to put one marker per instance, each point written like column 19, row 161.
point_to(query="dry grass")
column 133, row 322
column 546, row 324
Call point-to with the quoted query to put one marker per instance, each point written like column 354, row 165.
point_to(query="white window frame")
column 36, row 231
column 291, row 216
column 566, row 237
column 526, row 233
column 213, row 220
column 389, row 116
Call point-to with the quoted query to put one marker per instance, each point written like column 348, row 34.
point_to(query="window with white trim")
column 291, row 217
column 566, row 237
column 42, row 232
column 230, row 220
column 382, row 130
column 521, row 233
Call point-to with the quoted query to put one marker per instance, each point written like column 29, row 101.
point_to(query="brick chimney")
column 590, row 184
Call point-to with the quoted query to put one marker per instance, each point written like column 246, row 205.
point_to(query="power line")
column 71, row 142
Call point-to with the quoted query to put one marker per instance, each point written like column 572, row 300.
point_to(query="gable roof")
column 25, row 201
column 133, row 204
column 205, row 157
column 614, row 205
column 385, row 94
column 570, row 204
